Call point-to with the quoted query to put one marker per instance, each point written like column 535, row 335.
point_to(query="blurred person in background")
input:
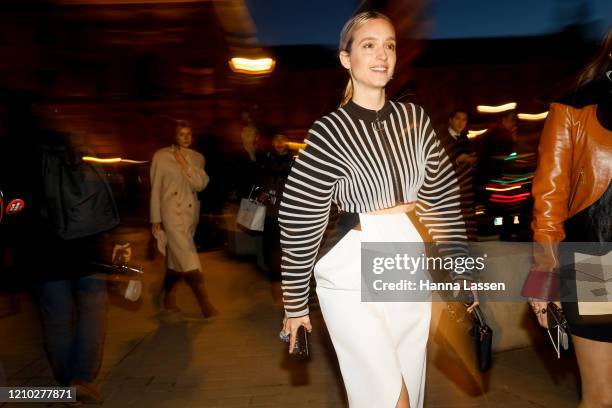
column 497, row 141
column 572, row 190
column 358, row 157
column 276, row 168
column 177, row 175
column 70, row 222
column 456, row 144
column 247, row 166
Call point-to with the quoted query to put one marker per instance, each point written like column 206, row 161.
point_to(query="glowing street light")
column 533, row 116
column 252, row 66
column 496, row 109
column 474, row 133
column 111, row 160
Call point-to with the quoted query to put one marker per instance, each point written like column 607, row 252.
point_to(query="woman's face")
column 372, row 57
column 184, row 137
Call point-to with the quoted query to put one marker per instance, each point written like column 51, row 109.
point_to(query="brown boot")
column 170, row 286
column 87, row 392
column 196, row 281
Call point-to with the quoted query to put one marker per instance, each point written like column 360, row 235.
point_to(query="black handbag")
column 473, row 334
column 483, row 339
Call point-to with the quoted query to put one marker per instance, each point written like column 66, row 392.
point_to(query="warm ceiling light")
column 473, row 133
column 496, row 109
column 533, row 116
column 110, row 160
column 252, row 66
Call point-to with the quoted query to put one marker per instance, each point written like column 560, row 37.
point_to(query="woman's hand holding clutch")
column 539, row 307
column 291, row 326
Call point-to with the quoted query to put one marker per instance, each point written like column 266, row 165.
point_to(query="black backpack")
column 78, row 199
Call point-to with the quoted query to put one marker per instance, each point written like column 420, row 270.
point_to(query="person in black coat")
column 456, row 144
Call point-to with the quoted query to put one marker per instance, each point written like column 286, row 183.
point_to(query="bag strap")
column 251, row 193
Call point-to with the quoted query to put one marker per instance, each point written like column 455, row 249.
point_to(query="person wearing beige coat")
column 177, row 175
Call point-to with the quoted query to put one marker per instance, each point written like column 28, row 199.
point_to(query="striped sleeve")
column 303, row 216
column 439, row 201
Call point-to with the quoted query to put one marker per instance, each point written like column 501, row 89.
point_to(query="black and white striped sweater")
column 364, row 160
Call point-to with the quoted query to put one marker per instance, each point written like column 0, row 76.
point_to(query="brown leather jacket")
column 574, row 170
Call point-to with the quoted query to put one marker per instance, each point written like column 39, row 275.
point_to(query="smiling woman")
column 377, row 160
column 371, row 60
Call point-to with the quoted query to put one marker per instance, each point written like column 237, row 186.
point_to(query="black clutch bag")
column 557, row 328
column 300, row 350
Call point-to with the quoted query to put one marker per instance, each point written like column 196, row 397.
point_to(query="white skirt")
column 377, row 344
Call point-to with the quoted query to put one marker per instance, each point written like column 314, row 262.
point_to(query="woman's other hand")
column 539, row 307
column 180, row 158
column 471, row 307
column 264, row 198
column 156, row 227
column 291, row 326
column 475, row 301
column 467, row 296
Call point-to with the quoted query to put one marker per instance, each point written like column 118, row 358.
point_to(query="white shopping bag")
column 251, row 215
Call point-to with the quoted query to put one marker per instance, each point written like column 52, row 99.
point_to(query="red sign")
column 14, row 206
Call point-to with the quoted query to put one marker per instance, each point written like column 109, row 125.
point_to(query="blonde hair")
column 346, row 42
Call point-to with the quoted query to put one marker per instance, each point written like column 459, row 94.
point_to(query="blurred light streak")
column 133, row 161
column 111, row 160
column 474, row 133
column 515, row 180
column 252, row 66
column 296, row 145
column 506, row 184
column 510, row 197
column 499, row 198
column 533, row 116
column 515, row 200
column 496, row 109
column 511, row 156
column 502, row 188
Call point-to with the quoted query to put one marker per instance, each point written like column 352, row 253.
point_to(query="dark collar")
column 368, row 115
